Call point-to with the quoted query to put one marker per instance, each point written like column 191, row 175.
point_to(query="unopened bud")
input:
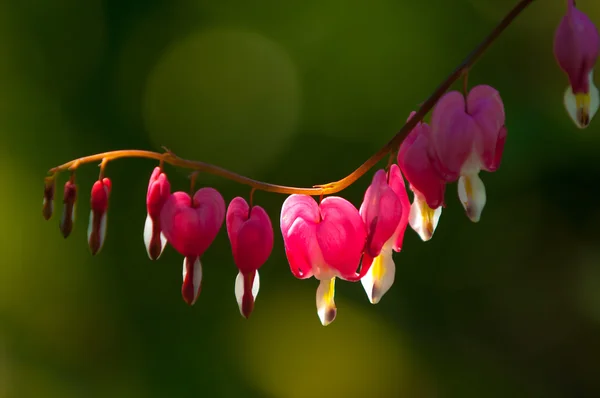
column 99, row 208
column 69, row 203
column 48, row 203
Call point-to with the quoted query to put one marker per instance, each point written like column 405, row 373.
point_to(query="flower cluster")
column 332, row 238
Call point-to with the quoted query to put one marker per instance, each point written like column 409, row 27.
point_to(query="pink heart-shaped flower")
column 250, row 233
column 466, row 133
column 192, row 224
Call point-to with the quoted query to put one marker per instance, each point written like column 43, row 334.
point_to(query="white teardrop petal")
column 422, row 219
column 594, row 97
column 90, row 226
column 325, row 301
column 148, row 227
column 255, row 285
column 239, row 289
column 471, row 192
column 197, row 276
column 582, row 107
column 380, row 277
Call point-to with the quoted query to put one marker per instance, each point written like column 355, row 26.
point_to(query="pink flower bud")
column 69, row 204
column 385, row 211
column 251, row 235
column 48, row 202
column 325, row 241
column 190, row 226
column 576, row 46
column 469, row 136
column 159, row 190
column 419, row 163
column 99, row 207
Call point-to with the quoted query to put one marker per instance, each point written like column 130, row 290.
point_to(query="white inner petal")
column 197, row 277
column 325, row 301
column 163, row 242
column 102, row 230
column 239, row 288
column 90, row 225
column 197, row 270
column 255, row 285
column 571, row 106
column 594, row 96
column 570, row 102
column 471, row 192
column 148, row 226
column 422, row 219
column 380, row 277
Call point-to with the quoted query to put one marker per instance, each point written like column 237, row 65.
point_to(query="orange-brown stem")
column 324, row 189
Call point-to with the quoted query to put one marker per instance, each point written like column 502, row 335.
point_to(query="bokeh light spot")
column 226, row 97
column 286, row 352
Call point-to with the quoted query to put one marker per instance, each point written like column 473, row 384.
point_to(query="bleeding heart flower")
column 69, row 205
column 576, row 46
column 469, row 136
column 99, row 207
column 418, row 161
column 385, row 211
column 251, row 235
column 159, row 190
column 325, row 241
column 190, row 226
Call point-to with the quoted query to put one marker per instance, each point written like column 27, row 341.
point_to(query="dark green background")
column 298, row 93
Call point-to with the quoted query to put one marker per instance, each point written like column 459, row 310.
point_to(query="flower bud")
column 159, row 191
column 48, row 202
column 99, row 207
column 69, row 203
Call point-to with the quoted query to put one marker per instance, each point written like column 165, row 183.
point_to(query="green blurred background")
column 298, row 93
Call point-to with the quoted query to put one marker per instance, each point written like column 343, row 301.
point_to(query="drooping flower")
column 416, row 158
column 69, row 206
column 48, row 202
column 251, row 235
column 385, row 210
column 469, row 136
column 190, row 225
column 96, row 232
column 323, row 240
column 159, row 190
column 576, row 47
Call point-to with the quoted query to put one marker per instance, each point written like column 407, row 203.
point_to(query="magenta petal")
column 298, row 221
column 173, row 216
column 417, row 166
column 251, row 236
column 298, row 206
column 396, row 182
column 209, row 202
column 191, row 226
column 453, row 133
column 237, row 213
column 301, row 248
column 576, row 46
column 499, row 150
column 159, row 190
column 381, row 212
column 487, row 110
column 341, row 235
